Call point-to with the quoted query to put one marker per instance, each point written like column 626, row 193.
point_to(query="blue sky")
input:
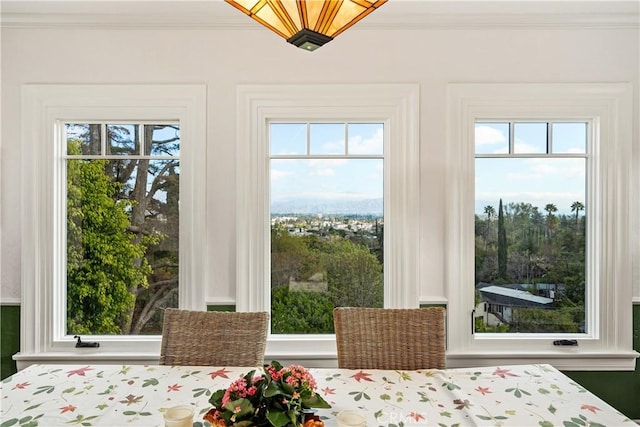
column 538, row 181
column 328, row 175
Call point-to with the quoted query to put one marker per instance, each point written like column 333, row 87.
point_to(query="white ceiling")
column 394, row 13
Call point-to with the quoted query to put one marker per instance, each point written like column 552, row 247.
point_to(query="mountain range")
column 328, row 207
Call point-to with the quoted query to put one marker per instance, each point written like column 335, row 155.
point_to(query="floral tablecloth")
column 137, row 395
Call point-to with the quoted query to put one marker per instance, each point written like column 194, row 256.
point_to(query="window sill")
column 585, row 361
column 575, row 361
column 88, row 356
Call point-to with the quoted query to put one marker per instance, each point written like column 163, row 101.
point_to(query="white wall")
column 224, row 58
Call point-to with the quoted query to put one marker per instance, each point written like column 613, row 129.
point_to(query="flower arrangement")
column 276, row 397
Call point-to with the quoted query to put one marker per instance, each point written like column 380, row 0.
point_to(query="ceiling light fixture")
column 307, row 24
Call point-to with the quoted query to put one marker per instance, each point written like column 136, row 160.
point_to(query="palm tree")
column 502, row 245
column 550, row 208
column 489, row 211
column 577, row 207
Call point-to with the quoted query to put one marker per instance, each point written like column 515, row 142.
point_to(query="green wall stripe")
column 221, row 308
column 619, row 389
column 9, row 338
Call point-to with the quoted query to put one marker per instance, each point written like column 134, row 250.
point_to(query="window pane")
column 123, row 139
column 530, row 245
column 326, row 240
column 366, row 138
column 327, row 138
column 529, row 138
column 492, row 138
column 122, row 244
column 162, row 140
column 288, row 138
column 569, row 137
column 86, row 139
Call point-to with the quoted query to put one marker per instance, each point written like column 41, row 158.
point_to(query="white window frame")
column 45, row 110
column 395, row 105
column 607, row 107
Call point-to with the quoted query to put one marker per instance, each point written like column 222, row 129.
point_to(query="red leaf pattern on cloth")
column 590, row 408
column 68, row 408
column 174, row 387
column 328, row 390
column 503, row 373
column 483, row 390
column 21, row 385
column 222, row 373
column 361, row 376
column 79, row 371
column 416, row 417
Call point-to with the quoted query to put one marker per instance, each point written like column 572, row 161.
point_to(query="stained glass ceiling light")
column 307, row 24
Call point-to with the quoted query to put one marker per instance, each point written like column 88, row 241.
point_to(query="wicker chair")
column 385, row 338
column 213, row 338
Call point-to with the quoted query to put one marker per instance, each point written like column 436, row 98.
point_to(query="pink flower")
column 252, row 387
column 274, row 374
column 292, row 381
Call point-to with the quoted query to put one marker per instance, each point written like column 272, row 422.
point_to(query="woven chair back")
column 213, row 338
column 385, row 338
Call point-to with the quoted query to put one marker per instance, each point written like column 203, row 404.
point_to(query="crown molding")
column 399, row 22
column 394, row 15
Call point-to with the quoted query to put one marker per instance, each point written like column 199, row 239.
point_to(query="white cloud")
column 373, row 145
column 323, row 172
column 333, row 147
column 487, row 135
column 278, row 174
column 544, row 169
column 325, row 163
column 522, row 147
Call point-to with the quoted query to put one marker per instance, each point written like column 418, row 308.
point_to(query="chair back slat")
column 213, row 338
column 385, row 338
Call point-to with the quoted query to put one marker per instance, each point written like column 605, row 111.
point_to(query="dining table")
column 139, row 395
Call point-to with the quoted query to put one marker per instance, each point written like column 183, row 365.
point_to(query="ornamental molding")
column 394, row 15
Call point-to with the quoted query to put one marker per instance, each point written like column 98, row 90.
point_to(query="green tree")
column 502, row 245
column 352, row 271
column 294, row 312
column 354, row 275
column 150, row 187
column 543, row 320
column 104, row 259
column 293, row 257
column 152, row 220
